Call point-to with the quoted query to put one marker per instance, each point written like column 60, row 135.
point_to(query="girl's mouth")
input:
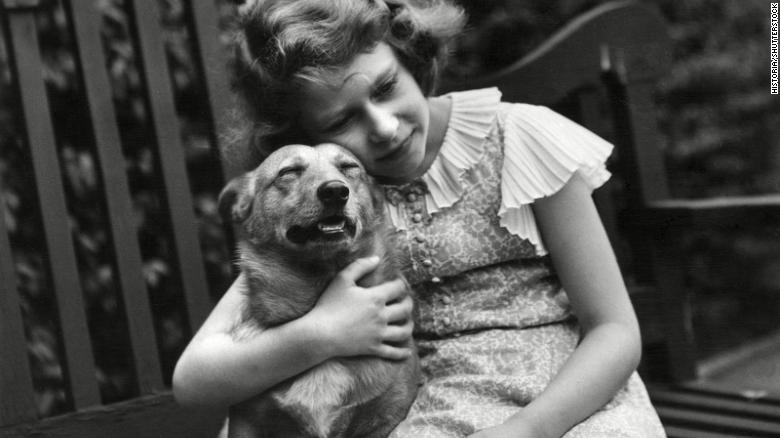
column 399, row 151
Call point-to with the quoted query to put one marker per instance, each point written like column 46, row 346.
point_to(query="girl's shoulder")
column 543, row 149
column 474, row 111
column 531, row 151
column 540, row 151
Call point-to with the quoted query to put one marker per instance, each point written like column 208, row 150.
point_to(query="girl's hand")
column 374, row 321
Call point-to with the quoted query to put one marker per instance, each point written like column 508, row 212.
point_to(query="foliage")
column 716, row 112
column 83, row 186
column 719, row 118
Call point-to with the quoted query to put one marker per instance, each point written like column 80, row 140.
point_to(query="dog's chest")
column 319, row 397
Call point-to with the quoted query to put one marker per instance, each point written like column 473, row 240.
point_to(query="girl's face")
column 373, row 107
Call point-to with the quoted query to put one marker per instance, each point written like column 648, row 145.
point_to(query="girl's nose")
column 384, row 125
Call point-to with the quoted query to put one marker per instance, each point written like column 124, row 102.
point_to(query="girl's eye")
column 339, row 125
column 386, row 88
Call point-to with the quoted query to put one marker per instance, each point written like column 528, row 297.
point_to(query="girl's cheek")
column 352, row 141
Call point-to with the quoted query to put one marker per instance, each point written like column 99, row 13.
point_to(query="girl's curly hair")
column 279, row 44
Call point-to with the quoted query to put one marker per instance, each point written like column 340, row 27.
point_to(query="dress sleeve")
column 542, row 150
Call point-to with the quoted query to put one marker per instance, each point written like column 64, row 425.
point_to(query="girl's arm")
column 216, row 370
column 610, row 347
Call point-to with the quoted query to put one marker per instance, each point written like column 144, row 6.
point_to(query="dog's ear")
column 235, row 201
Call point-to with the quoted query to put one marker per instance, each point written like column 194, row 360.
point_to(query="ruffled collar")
column 471, row 116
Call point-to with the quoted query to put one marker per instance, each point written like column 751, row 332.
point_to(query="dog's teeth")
column 335, row 227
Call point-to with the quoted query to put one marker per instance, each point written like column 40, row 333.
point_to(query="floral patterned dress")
column 493, row 324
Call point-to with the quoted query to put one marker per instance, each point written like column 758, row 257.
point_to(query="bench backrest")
column 17, row 403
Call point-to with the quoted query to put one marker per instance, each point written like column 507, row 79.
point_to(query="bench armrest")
column 715, row 212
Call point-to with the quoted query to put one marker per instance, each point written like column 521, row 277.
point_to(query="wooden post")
column 17, row 403
column 172, row 160
column 657, row 256
column 213, row 62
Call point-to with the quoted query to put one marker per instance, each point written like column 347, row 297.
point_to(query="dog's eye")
column 290, row 171
column 349, row 168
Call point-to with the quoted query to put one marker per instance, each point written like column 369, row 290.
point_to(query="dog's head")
column 305, row 198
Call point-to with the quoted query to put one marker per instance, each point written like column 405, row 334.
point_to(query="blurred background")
column 721, row 128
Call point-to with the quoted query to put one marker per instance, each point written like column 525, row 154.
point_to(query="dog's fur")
column 299, row 235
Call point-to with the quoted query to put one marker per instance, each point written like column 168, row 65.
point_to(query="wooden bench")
column 600, row 70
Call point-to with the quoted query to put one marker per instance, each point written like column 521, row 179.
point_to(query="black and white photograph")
column 389, row 219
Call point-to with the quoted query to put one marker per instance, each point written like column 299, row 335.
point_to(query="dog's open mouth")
column 329, row 228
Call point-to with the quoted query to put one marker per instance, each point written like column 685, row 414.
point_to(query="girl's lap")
column 628, row 415
column 478, row 380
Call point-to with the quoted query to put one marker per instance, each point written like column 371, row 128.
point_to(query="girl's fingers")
column 393, row 352
column 398, row 333
column 357, row 269
column 399, row 311
column 394, row 290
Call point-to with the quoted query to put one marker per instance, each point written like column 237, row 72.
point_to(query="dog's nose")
column 333, row 193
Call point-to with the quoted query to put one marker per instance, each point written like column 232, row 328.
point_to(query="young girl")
column 523, row 323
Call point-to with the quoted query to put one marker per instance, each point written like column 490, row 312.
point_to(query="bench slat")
column 212, row 60
column 699, row 213
column 714, row 389
column 172, row 160
column 683, row 432
column 145, row 417
column 65, row 281
column 124, row 233
column 714, row 403
column 692, row 417
column 16, row 398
